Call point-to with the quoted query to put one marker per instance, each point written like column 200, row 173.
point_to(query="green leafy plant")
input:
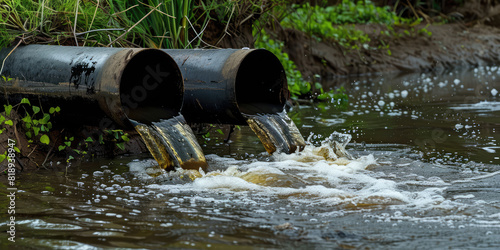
column 296, row 84
column 328, row 23
column 338, row 96
column 5, row 119
column 118, row 136
column 6, row 79
column 299, row 88
column 36, row 122
column 68, row 145
column 335, row 22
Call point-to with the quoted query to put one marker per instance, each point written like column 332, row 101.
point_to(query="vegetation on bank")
column 182, row 24
column 35, row 122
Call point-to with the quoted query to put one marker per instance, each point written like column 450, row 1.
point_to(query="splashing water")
column 172, row 143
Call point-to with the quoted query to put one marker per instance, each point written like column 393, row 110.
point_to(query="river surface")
column 426, row 175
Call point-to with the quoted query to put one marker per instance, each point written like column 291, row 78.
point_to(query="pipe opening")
column 261, row 85
column 151, row 87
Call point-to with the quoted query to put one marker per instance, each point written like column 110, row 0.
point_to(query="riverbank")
column 449, row 46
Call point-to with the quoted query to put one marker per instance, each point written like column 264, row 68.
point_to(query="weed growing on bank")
column 37, row 128
column 335, row 23
column 299, row 88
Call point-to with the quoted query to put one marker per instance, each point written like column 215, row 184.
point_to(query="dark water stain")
column 81, row 73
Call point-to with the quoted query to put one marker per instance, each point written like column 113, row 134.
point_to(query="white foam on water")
column 484, row 106
column 311, row 177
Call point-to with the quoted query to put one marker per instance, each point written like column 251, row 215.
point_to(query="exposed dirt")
column 449, row 46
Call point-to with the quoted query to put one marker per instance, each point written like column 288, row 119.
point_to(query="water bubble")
column 98, row 173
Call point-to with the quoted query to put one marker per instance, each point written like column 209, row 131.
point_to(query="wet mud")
column 450, row 46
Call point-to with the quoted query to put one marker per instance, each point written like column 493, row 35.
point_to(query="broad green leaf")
column 8, row 109
column 52, row 110
column 17, row 149
column 120, row 145
column 36, row 109
column 3, row 156
column 36, row 130
column 28, row 134
column 68, row 143
column 318, row 85
column 58, row 109
column 125, row 138
column 61, row 147
column 45, row 119
column 89, row 139
column 25, row 100
column 9, row 122
column 45, row 139
column 2, row 118
column 27, row 119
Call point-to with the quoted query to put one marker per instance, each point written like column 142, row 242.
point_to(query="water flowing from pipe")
column 172, row 143
column 276, row 131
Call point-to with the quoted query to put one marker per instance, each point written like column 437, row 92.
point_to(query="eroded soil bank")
column 449, row 46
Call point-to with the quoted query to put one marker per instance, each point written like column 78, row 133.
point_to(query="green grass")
column 119, row 23
column 53, row 22
column 167, row 23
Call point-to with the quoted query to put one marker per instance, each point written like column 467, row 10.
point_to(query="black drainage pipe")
column 221, row 85
column 140, row 84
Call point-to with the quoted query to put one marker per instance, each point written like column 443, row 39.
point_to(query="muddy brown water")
column 426, row 174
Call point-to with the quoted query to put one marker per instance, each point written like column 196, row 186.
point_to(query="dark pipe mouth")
column 151, row 87
column 261, row 85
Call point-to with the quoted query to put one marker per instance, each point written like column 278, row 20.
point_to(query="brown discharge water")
column 276, row 131
column 172, row 144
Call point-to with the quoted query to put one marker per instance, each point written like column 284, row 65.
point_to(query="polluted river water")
column 172, row 143
column 424, row 172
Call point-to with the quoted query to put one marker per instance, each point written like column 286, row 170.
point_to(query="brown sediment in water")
column 152, row 142
column 277, row 132
column 172, row 144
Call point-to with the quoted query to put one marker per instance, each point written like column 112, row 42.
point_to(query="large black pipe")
column 140, row 84
column 224, row 84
